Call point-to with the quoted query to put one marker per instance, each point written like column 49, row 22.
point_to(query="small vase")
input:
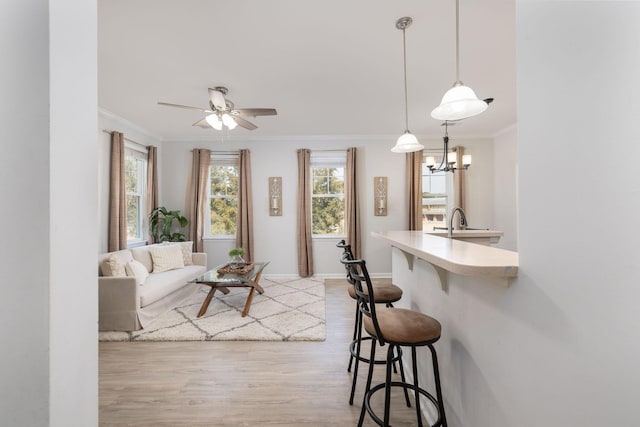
column 236, row 262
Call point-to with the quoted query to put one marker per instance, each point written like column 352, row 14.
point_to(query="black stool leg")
column 356, row 327
column 372, row 356
column 357, row 358
column 387, row 389
column 436, row 374
column 415, row 384
column 406, row 392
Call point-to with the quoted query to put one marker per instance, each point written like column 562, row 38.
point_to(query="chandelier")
column 449, row 161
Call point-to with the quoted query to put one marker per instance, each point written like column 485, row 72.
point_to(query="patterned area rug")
column 289, row 310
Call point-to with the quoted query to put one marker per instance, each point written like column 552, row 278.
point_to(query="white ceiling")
column 331, row 67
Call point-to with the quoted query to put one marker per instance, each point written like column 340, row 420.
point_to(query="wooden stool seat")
column 403, row 327
column 383, row 294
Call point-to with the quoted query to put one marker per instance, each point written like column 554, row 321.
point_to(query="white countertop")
column 465, row 233
column 452, row 255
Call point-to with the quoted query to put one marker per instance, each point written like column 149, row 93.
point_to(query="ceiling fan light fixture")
column 214, row 121
column 459, row 102
column 228, row 121
column 407, row 143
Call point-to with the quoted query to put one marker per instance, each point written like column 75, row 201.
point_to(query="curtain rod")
column 218, row 152
column 125, row 138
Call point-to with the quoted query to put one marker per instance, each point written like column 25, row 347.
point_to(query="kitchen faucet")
column 463, row 221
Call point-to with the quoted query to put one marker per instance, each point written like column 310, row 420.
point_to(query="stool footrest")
column 378, row 420
column 354, row 353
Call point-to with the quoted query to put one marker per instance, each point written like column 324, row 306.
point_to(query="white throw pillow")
column 166, row 257
column 116, row 263
column 138, row 270
column 187, row 251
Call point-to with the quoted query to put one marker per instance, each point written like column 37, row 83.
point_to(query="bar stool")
column 396, row 327
column 386, row 293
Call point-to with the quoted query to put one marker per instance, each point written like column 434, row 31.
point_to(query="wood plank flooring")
column 240, row 383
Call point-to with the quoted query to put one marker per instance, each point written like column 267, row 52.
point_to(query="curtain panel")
column 244, row 235
column 414, row 189
column 117, row 195
column 152, row 184
column 305, row 251
column 352, row 202
column 197, row 196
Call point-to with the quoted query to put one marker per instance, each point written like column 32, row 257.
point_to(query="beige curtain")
column 352, row 202
column 414, row 189
column 152, row 184
column 117, row 195
column 459, row 178
column 197, row 196
column 244, row 235
column 305, row 253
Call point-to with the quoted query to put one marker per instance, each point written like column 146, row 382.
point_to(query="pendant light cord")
column 404, row 55
column 457, row 41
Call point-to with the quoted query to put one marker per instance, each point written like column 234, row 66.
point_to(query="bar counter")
column 453, row 256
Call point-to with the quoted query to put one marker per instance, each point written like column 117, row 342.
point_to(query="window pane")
column 328, row 215
column 336, row 185
column 130, row 175
column 223, row 215
column 133, row 214
column 223, row 200
column 320, row 185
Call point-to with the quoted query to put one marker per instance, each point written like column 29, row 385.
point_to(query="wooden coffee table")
column 222, row 282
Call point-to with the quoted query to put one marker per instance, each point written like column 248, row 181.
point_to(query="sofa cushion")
column 143, row 255
column 158, row 285
column 114, row 263
column 138, row 270
column 166, row 257
column 187, row 251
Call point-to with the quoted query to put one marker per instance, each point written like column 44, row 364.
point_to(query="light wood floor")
column 240, row 383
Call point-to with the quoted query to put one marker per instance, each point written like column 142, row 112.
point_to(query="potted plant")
column 161, row 222
column 236, row 260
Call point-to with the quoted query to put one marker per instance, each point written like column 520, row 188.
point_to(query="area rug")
column 289, row 310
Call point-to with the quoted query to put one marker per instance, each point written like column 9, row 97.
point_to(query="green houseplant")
column 236, row 260
column 161, row 222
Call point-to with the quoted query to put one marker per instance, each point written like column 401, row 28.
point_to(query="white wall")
column 49, row 373
column 505, row 177
column 108, row 121
column 560, row 346
column 275, row 237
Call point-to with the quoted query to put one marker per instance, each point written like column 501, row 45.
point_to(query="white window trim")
column 139, row 152
column 328, row 159
column 219, row 159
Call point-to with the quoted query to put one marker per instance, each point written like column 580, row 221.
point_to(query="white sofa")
column 128, row 302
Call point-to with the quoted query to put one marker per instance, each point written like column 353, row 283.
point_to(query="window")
column 135, row 182
column 437, row 192
column 327, row 195
column 223, row 195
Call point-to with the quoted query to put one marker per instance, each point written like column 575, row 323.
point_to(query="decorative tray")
column 226, row 269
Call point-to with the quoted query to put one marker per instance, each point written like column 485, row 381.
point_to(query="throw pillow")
column 138, row 270
column 116, row 263
column 166, row 258
column 187, row 251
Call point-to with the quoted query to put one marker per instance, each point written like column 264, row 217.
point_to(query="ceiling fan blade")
column 255, row 112
column 185, row 106
column 202, row 123
column 244, row 123
column 217, row 99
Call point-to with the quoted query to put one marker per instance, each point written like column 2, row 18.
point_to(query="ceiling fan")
column 222, row 112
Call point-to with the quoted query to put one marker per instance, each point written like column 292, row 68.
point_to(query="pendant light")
column 459, row 102
column 407, row 142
